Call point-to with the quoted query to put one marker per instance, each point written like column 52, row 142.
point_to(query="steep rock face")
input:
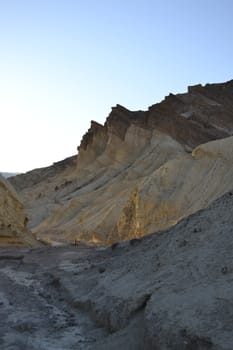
column 13, row 220
column 204, row 113
column 140, row 172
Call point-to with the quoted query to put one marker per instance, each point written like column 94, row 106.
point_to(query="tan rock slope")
column 13, row 220
column 139, row 173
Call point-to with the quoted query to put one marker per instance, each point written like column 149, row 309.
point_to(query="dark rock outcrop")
column 202, row 114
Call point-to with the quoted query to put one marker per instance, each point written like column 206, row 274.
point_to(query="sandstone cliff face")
column 138, row 173
column 13, row 220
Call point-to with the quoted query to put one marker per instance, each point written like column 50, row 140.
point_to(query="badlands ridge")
column 148, row 202
column 140, row 172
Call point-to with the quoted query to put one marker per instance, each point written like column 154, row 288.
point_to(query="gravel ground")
column 170, row 290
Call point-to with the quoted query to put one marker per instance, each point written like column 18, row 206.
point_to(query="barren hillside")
column 138, row 173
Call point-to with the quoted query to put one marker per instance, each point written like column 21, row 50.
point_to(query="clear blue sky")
column 66, row 62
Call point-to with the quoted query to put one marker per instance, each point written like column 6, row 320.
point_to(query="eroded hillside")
column 138, row 173
column 13, row 220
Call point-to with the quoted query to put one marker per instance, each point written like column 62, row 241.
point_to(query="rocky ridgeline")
column 138, row 173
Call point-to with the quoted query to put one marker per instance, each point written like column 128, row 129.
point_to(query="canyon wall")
column 13, row 219
column 140, row 172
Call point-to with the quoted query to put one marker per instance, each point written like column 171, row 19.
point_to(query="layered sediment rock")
column 13, row 220
column 140, row 172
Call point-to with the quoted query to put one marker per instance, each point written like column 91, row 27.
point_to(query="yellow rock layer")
column 129, row 188
column 13, row 220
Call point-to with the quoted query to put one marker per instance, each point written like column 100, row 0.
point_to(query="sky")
column 64, row 63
